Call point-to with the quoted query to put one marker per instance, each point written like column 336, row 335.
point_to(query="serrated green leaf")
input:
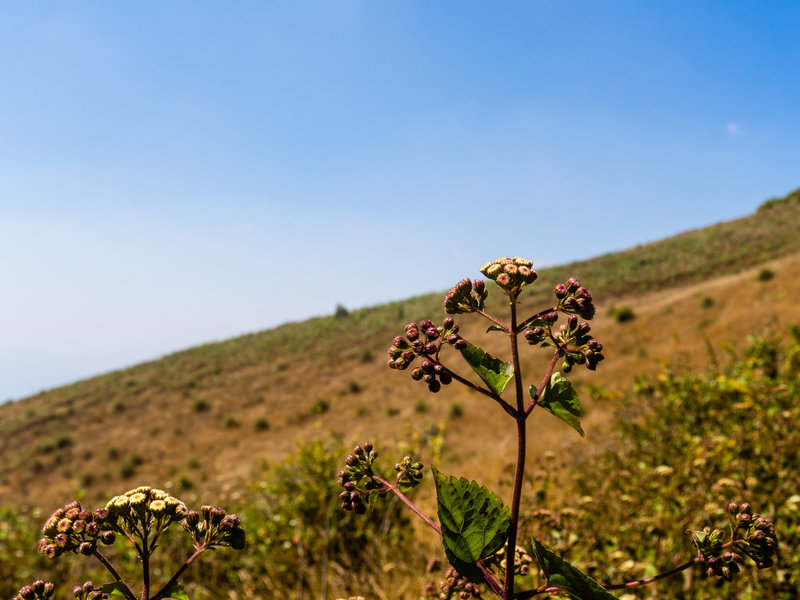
column 474, row 522
column 494, row 372
column 469, row 571
column 698, row 537
column 176, row 591
column 560, row 399
column 561, row 574
column 115, row 589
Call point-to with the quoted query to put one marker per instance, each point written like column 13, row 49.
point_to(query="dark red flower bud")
column 86, row 548
column 108, row 537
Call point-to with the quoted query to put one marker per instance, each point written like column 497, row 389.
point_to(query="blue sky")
column 173, row 173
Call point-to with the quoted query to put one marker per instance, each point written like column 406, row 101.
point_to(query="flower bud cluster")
column 409, row 473
column 358, row 479
column 718, row 563
column 580, row 348
column 760, row 542
column 511, row 274
column 454, row 586
column 522, row 560
column 466, row 297
column 541, row 329
column 87, row 591
column 143, row 509
column 574, row 298
column 212, row 526
column 72, row 528
column 38, row 590
column 424, row 340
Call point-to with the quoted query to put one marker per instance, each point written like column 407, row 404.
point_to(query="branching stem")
column 162, row 592
column 115, row 574
column 544, row 383
column 503, row 404
column 519, row 471
column 392, row 488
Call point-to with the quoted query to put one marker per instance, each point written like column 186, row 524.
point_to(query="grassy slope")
column 189, row 419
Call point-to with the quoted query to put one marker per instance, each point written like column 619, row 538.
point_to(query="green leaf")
column 494, row 372
column 474, row 522
column 494, row 328
column 561, row 574
column 561, row 399
column 115, row 589
column 176, row 591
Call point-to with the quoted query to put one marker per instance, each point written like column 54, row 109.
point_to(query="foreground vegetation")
column 688, row 444
column 683, row 447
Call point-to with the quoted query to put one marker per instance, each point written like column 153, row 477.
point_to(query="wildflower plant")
column 140, row 516
column 479, row 532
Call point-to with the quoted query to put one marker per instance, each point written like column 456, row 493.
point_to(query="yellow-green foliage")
column 687, row 446
column 303, row 545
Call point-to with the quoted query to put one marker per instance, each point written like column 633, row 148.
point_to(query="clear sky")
column 173, row 173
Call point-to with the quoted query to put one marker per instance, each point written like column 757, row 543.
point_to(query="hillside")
column 204, row 418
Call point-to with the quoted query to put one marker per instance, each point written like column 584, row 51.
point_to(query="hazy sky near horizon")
column 173, row 173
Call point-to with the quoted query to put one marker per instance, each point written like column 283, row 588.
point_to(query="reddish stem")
column 503, row 404
column 392, row 488
column 535, row 400
column 407, row 502
column 117, row 577
column 500, row 324
column 616, row 586
column 519, row 471
column 160, row 593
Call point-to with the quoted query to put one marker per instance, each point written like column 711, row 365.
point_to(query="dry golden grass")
column 189, row 422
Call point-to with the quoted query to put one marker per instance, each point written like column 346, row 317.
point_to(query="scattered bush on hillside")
column 765, row 274
column 622, row 314
column 321, row 406
column 480, row 533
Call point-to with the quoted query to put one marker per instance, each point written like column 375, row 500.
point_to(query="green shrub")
column 200, row 405
column 622, row 314
column 56, row 442
column 261, row 424
column 686, row 446
column 129, row 465
column 321, row 406
column 456, row 411
column 765, row 274
column 306, row 543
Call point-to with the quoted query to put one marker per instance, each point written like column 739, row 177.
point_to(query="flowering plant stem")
column 476, row 528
